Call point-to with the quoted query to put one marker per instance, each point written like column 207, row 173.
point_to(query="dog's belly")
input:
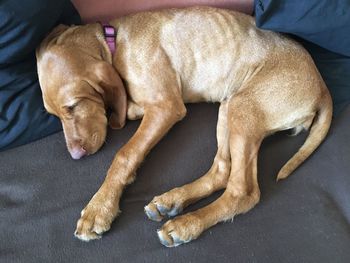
column 212, row 78
column 211, row 81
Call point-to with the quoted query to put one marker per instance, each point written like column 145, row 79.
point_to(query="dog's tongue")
column 77, row 153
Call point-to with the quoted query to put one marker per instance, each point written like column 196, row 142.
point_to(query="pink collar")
column 110, row 36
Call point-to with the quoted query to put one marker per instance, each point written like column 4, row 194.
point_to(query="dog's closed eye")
column 69, row 109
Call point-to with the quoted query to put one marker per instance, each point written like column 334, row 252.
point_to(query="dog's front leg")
column 98, row 215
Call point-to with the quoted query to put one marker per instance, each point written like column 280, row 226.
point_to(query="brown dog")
column 264, row 81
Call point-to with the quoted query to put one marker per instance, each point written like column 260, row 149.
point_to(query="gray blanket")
column 305, row 218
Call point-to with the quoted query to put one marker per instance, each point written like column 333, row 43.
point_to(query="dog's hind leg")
column 242, row 192
column 173, row 202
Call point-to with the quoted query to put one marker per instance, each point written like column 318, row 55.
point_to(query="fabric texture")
column 304, row 218
column 23, row 25
column 324, row 28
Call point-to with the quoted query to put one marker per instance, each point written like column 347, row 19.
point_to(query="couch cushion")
column 326, row 23
column 23, row 25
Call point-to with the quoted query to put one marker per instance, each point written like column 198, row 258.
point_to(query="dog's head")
column 79, row 85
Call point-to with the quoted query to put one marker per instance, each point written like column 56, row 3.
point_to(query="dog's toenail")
column 163, row 210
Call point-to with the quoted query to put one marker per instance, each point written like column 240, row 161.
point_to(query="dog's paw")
column 96, row 218
column 164, row 205
column 180, row 230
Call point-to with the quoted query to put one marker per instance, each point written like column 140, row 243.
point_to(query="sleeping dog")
column 264, row 82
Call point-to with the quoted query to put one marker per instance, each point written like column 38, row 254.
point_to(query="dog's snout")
column 77, row 152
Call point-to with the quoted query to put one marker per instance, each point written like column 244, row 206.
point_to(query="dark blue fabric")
column 324, row 27
column 23, row 25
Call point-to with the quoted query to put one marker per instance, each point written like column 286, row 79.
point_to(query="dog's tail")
column 318, row 132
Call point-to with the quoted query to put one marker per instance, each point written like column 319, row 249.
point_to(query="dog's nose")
column 77, row 152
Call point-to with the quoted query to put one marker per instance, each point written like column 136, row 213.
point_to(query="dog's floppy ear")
column 111, row 87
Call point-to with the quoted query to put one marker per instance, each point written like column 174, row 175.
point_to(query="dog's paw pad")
column 94, row 221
